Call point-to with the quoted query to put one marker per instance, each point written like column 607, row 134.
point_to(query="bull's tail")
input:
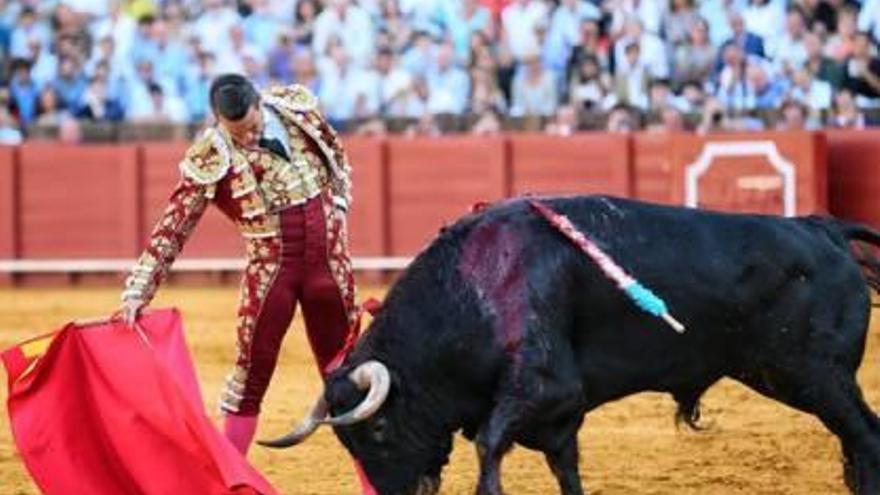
column 865, row 256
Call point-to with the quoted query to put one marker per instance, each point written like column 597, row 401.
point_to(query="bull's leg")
column 545, row 414
column 564, row 464
column 832, row 394
column 848, row 416
column 494, row 440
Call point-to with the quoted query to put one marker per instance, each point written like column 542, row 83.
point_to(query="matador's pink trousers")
column 303, row 276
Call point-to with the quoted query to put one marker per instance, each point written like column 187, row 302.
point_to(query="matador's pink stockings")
column 240, row 431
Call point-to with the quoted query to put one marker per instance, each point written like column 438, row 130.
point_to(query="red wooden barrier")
column 9, row 214
column 652, row 167
column 434, row 181
column 854, row 175
column 214, row 237
column 368, row 225
column 9, row 192
column 581, row 164
column 61, row 201
column 78, row 201
column 751, row 172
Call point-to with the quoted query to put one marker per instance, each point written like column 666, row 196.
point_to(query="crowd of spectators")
column 667, row 65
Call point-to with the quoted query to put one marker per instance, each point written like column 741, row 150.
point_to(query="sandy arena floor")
column 754, row 446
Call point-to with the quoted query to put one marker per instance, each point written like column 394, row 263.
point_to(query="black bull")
column 502, row 329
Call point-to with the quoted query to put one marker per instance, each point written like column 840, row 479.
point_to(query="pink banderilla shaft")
column 640, row 294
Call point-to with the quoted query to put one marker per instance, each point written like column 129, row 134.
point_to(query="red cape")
column 95, row 409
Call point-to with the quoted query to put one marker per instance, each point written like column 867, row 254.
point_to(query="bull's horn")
column 371, row 375
column 308, row 426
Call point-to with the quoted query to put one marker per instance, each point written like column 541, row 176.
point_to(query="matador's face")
column 247, row 130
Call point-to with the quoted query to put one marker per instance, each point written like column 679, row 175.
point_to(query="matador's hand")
column 131, row 309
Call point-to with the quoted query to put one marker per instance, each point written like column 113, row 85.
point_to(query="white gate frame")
column 767, row 149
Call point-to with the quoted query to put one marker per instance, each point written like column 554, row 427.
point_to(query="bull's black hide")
column 502, row 329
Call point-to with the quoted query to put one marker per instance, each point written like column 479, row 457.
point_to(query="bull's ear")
column 342, row 394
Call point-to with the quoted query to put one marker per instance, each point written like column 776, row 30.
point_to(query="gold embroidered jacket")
column 249, row 186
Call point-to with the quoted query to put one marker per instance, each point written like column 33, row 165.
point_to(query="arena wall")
column 97, row 203
column 854, row 175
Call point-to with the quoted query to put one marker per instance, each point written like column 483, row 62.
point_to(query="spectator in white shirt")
column 347, row 91
column 415, row 103
column 394, row 82
column 118, row 26
column 695, row 58
column 213, row 24
column 652, row 50
column 520, row 20
column 534, row 89
column 254, row 68
column 159, row 108
column 28, row 28
column 91, row 8
column 261, row 28
column 417, row 59
column 814, row 93
column 423, row 14
column 731, row 81
column 717, row 15
column 169, row 57
column 138, row 99
column 351, row 24
column 115, row 64
column 198, row 84
column 283, row 10
column 10, row 134
column 649, row 12
column 631, row 79
column 765, row 18
column 232, row 59
column 790, row 52
column 177, row 24
column 448, row 82
column 44, row 65
column 869, row 18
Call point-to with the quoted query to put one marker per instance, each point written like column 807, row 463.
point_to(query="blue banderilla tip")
column 650, row 303
column 647, row 300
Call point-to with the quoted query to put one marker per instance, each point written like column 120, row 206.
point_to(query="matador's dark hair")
column 232, row 95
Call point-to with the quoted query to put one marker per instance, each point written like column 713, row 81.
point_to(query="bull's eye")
column 377, row 429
